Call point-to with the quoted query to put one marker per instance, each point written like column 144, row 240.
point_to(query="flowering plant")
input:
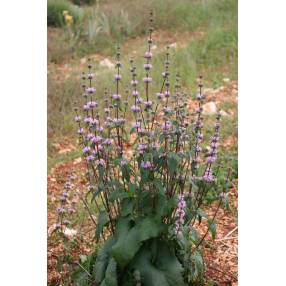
column 148, row 179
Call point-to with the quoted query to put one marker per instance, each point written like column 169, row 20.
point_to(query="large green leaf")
column 101, row 222
column 164, row 270
column 127, row 244
column 102, row 260
column 130, row 238
column 168, row 262
column 111, row 274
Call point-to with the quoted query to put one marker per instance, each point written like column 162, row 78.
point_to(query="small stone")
column 209, row 108
column 223, row 113
column 83, row 61
column 226, row 79
column 173, row 45
column 154, row 47
column 77, row 161
column 70, row 233
column 107, row 63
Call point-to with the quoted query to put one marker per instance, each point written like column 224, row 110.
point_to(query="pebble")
column 209, row 108
column 106, row 63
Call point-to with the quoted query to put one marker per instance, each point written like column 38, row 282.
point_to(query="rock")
column 223, row 113
column 173, row 45
column 106, row 63
column 70, row 233
column 83, row 61
column 154, row 47
column 226, row 79
column 77, row 161
column 209, row 108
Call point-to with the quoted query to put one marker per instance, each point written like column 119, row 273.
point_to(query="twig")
column 231, row 232
column 226, row 238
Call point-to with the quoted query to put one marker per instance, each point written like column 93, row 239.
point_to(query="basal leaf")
column 101, row 222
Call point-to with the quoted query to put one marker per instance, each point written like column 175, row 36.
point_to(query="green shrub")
column 55, row 12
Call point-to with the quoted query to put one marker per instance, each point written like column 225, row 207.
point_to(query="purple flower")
column 167, row 109
column 148, row 55
column 66, row 222
column 100, row 129
column 134, row 82
column 180, row 213
column 146, row 165
column 89, row 136
column 199, row 136
column 77, row 118
column 71, row 211
column 159, row 95
column 142, row 148
column 107, row 141
column 214, row 145
column 215, row 139
column 136, row 125
column 199, row 96
column 167, row 93
column 148, row 104
column 86, row 149
column 199, row 110
column 61, row 210
column 166, row 126
column 135, row 108
column 135, row 93
column 96, row 139
column 117, row 77
column 80, row 130
column 92, row 104
column 90, row 90
column 116, row 96
column 208, row 176
column 217, row 125
column 87, row 120
column 139, row 100
column 123, row 162
column 90, row 158
column 94, row 122
column 90, row 75
column 147, row 67
column 106, row 110
column 147, row 79
column 100, row 162
column 211, row 159
column 86, row 107
column 198, row 149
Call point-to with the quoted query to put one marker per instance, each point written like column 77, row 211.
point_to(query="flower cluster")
column 67, row 201
column 180, row 213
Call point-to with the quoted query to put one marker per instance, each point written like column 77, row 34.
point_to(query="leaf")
column 158, row 184
column 127, row 242
column 127, row 207
column 130, row 239
column 164, row 271
column 168, row 262
column 118, row 194
column 102, row 260
column 212, row 228
column 149, row 228
column 111, row 275
column 173, row 162
column 102, row 221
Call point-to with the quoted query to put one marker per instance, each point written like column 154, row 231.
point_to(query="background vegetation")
column 203, row 34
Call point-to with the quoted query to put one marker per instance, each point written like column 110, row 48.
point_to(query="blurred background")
column 202, row 35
